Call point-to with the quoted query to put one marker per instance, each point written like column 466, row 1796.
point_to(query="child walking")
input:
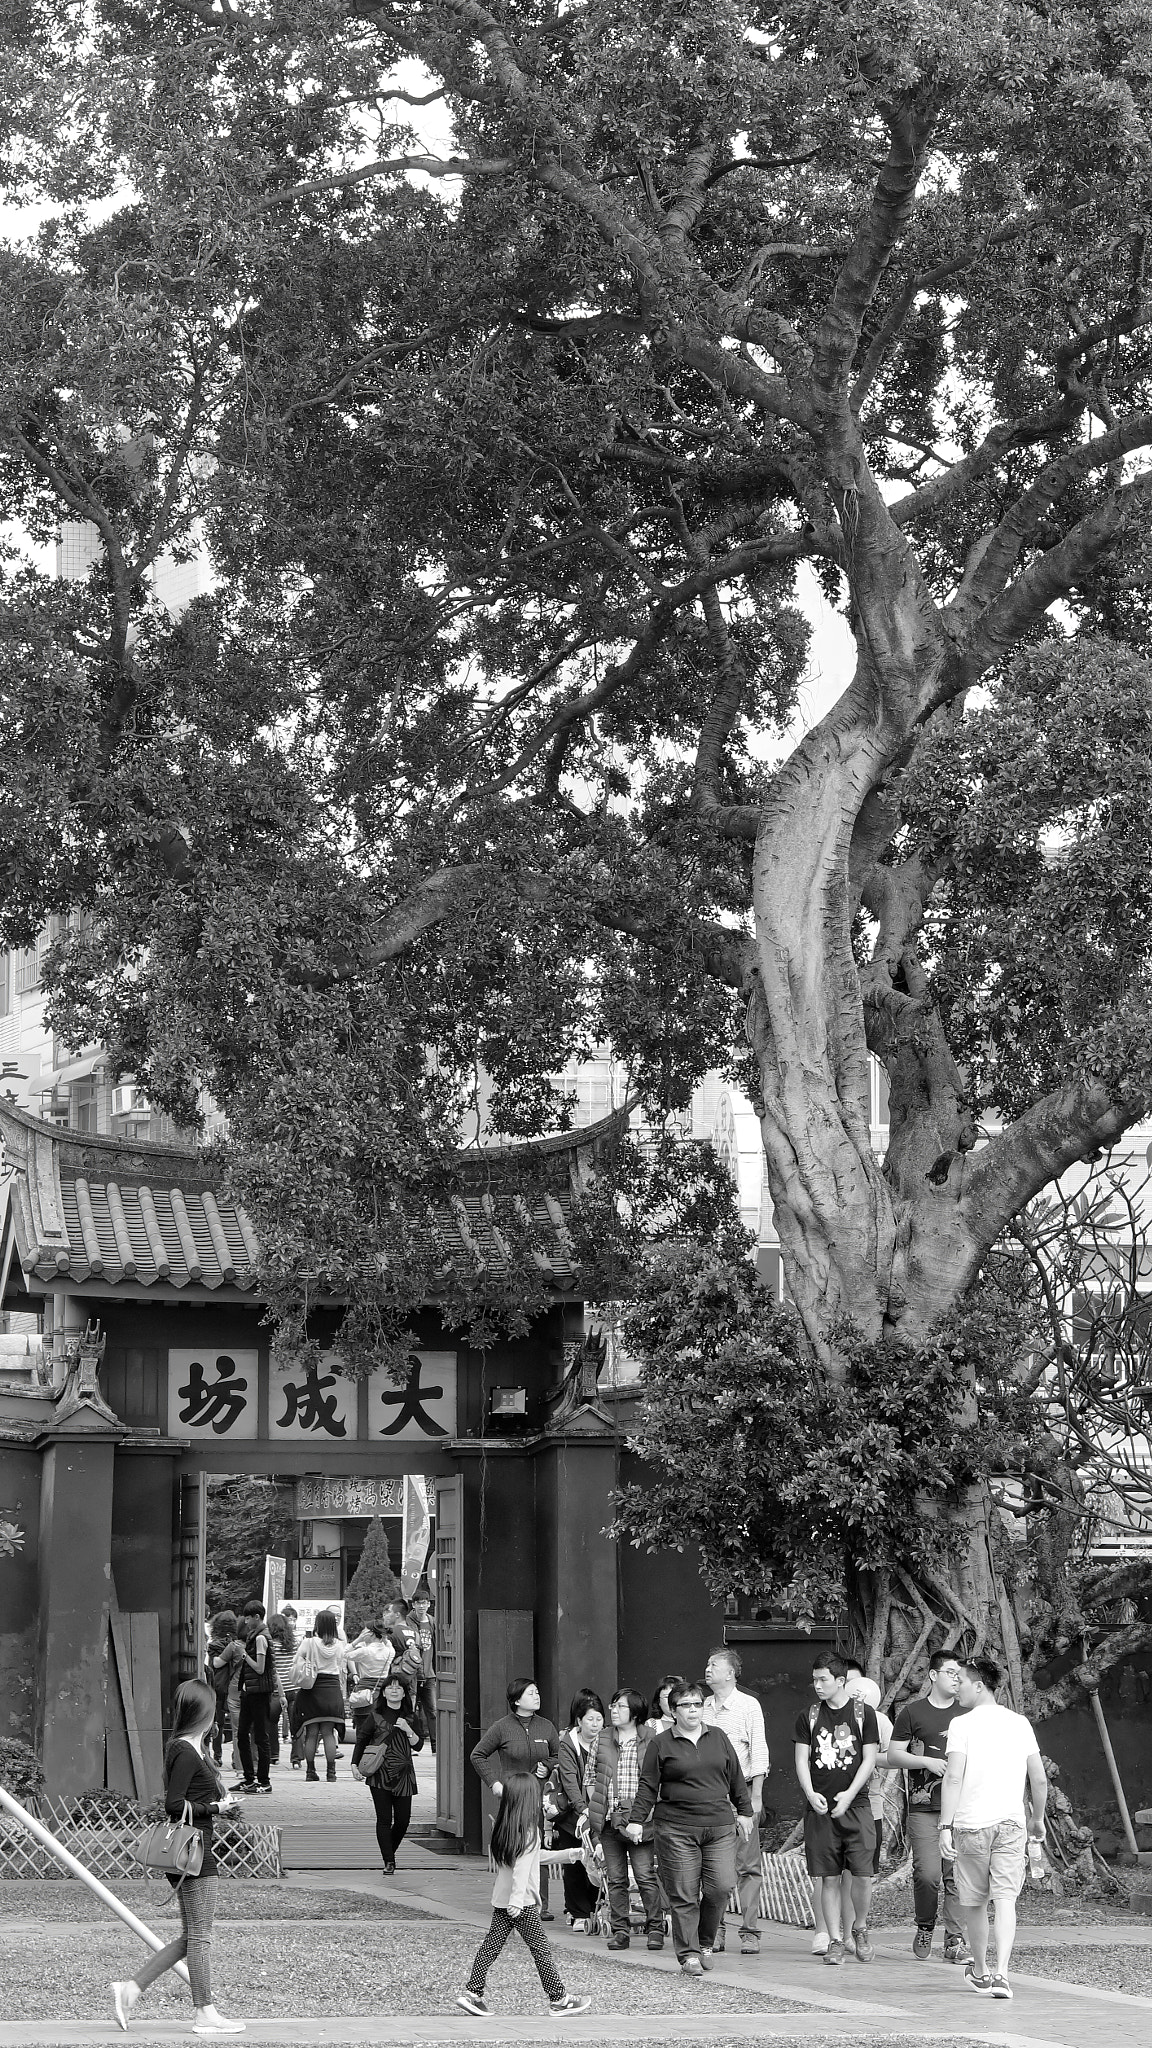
column 516, row 1899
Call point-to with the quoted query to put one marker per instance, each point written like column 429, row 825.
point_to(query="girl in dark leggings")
column 391, row 1721
column 189, row 1777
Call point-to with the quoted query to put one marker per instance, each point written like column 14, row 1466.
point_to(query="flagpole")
column 73, row 1864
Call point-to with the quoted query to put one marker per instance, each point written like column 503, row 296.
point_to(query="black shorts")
column 833, row 1846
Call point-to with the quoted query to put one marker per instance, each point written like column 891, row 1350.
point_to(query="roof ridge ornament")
column 81, row 1390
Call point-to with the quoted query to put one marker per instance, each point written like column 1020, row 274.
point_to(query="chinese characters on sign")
column 212, row 1393
column 338, row 1494
column 320, row 1404
column 424, row 1407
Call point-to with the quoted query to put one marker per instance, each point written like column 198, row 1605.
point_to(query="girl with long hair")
column 320, row 1668
column 516, row 1899
column 189, row 1777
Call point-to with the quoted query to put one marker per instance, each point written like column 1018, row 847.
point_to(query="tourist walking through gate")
column 695, row 1774
column 370, row 1659
column 258, row 1689
column 566, row 1801
column 918, row 1745
column 389, row 1735
column 218, row 1671
column 191, row 1780
column 420, row 1615
column 837, row 1743
column 521, row 1741
column 661, row 1715
column 741, row 1718
column 516, row 1898
column 280, row 1710
column 320, row 1669
column 991, row 1753
column 620, row 1755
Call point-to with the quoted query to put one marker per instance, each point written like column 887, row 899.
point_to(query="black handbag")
column 174, row 1847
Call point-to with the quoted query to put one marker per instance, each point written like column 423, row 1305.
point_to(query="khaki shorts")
column 990, row 1862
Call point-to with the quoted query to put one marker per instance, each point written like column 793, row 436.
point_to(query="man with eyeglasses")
column 695, row 1774
column 918, row 1746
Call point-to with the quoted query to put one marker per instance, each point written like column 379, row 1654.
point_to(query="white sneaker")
column 820, row 1945
column 124, row 1998
column 214, row 2022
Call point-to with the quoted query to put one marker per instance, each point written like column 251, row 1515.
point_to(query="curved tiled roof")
column 81, row 1209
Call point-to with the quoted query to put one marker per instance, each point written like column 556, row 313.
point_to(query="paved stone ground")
column 892, row 2000
column 294, row 1801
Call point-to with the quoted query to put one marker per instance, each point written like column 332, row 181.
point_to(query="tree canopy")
column 523, row 369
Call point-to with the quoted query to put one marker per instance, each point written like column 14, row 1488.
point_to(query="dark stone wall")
column 19, row 1578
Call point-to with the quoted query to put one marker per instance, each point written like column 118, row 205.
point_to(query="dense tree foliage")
column 520, row 367
column 248, row 1520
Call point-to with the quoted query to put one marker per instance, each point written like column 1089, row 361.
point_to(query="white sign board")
column 212, row 1394
column 307, row 1610
column 423, row 1410
column 319, row 1405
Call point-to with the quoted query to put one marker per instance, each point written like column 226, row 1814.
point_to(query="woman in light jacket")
column 567, row 1803
column 620, row 1756
column 320, row 1668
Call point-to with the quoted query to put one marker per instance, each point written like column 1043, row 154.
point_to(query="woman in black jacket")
column 568, row 1801
column 393, row 1722
column 522, row 1741
column 189, row 1778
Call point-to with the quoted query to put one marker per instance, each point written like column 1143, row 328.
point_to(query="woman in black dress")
column 394, row 1723
column 189, row 1777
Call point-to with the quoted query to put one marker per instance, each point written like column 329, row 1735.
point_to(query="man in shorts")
column 991, row 1752
column 918, row 1743
column 837, row 1744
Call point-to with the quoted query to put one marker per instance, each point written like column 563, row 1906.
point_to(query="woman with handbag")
column 385, row 1746
column 566, row 1802
column 319, row 1670
column 193, row 1796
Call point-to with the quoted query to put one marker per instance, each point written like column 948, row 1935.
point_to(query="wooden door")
column 188, row 1578
column 449, row 1657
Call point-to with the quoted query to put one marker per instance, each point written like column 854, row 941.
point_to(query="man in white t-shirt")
column 741, row 1718
column 991, row 1754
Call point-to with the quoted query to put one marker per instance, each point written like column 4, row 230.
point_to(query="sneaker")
column 244, row 1785
column 865, row 1953
column 550, row 1916
column 707, row 1958
column 974, row 1981
column 262, row 1788
column 656, row 1938
column 570, row 2003
column 472, row 2002
column 619, row 1941
column 1001, row 1988
column 124, row 1998
column 215, row 2023
column 820, row 1945
column 956, row 1949
column 692, row 1966
column 749, row 1942
column 922, row 1944
column 834, row 1953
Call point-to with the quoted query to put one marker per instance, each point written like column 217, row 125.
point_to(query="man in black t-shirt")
column 918, row 1745
column 837, row 1744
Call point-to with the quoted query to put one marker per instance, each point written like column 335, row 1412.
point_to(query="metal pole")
column 77, row 1869
column 1117, row 1787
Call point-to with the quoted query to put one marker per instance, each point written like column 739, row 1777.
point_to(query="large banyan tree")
column 531, row 374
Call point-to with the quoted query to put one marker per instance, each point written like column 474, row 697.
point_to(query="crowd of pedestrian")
column 655, row 1797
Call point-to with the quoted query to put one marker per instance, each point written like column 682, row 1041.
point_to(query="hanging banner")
column 275, row 1570
column 417, row 1531
column 332, row 1496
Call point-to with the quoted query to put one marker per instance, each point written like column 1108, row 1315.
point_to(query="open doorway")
column 305, row 1547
